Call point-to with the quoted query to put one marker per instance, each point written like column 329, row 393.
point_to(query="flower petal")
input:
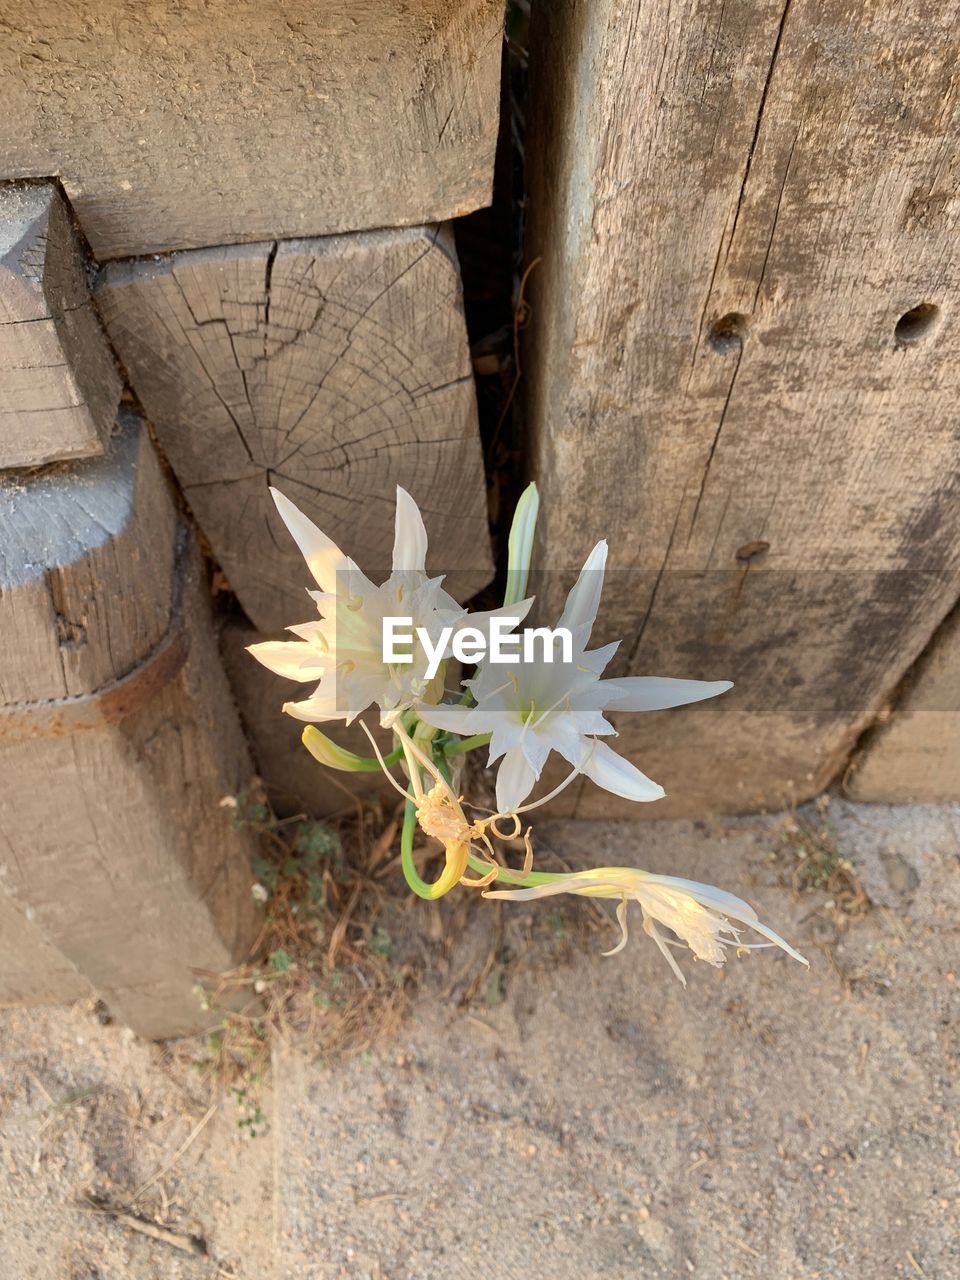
column 410, row 536
column 452, row 718
column 617, row 775
column 290, row 658
column 583, row 601
column 515, row 781
column 656, row 693
column 728, row 904
column 482, row 619
column 315, row 709
column 324, row 558
column 535, row 750
column 708, row 895
column 596, row 659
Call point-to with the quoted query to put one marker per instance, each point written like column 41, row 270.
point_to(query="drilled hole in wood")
column 916, row 324
column 752, row 551
column 728, row 333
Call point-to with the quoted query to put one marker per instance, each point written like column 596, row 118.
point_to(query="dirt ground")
column 577, row 1117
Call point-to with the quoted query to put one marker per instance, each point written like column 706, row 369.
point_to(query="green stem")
column 367, row 764
column 516, row 878
column 466, row 744
column 410, row 873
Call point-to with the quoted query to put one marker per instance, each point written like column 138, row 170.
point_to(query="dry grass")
column 345, row 945
column 326, row 973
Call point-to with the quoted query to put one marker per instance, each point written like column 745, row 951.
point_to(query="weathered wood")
column 913, row 756
column 294, row 781
column 59, row 386
column 32, row 971
column 236, row 120
column 738, row 208
column 112, row 837
column 334, row 369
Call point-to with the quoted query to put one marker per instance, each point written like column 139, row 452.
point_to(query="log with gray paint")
column 118, row 740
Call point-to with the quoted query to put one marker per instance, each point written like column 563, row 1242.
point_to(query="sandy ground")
column 582, row 1117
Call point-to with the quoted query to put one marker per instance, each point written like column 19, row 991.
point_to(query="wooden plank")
column 112, row 837
column 236, row 120
column 334, row 369
column 735, row 207
column 59, row 386
column 913, row 755
column 294, row 781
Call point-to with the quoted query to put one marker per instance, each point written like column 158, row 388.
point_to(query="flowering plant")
column 522, row 712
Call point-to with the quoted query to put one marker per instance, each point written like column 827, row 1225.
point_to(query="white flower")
column 698, row 914
column 343, row 651
column 537, row 707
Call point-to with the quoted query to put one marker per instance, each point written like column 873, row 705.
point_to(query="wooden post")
column 59, row 386
column 913, row 755
column 334, row 369
column 743, row 363
column 118, row 738
column 238, row 120
column 32, row 970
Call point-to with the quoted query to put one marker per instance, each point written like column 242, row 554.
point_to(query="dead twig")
column 176, row 1239
column 181, row 1150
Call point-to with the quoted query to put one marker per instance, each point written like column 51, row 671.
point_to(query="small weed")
column 496, row 987
column 251, row 1119
column 820, row 866
column 381, row 944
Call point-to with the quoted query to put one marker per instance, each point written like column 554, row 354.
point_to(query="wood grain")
column 59, row 386
column 112, row 840
column 32, row 971
column 334, row 369
column 233, row 120
column 735, row 206
column 913, row 755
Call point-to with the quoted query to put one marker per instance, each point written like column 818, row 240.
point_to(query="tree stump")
column 118, row 738
column 59, row 386
column 332, row 369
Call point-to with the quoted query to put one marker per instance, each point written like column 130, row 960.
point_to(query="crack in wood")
column 759, row 122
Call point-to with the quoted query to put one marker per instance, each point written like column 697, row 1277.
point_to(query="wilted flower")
column 537, row 707
column 699, row 914
column 343, row 651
